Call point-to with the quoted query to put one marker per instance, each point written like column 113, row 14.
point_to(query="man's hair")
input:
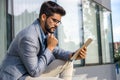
column 49, row 8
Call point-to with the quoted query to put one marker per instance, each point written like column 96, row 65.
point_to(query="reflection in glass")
column 25, row 12
column 70, row 32
column 90, row 31
column 107, row 50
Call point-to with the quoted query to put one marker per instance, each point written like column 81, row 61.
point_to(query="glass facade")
column 70, row 32
column 90, row 31
column 84, row 19
column 97, row 24
column 25, row 12
column 106, row 38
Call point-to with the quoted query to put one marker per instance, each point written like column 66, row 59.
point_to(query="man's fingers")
column 82, row 53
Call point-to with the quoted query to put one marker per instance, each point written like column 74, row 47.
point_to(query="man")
column 34, row 55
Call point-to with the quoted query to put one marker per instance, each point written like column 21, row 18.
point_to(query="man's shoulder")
column 31, row 32
column 31, row 29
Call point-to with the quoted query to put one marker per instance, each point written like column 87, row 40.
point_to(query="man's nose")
column 56, row 25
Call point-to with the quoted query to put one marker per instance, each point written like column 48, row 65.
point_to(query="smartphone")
column 77, row 52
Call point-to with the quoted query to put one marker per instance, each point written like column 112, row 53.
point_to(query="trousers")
column 56, row 70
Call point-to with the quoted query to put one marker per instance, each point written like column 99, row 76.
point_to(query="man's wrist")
column 50, row 48
column 73, row 53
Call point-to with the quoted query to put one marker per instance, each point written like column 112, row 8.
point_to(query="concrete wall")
column 3, row 37
column 99, row 72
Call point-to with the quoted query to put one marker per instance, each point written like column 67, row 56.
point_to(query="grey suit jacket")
column 25, row 55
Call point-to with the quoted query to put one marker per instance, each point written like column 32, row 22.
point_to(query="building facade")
column 84, row 19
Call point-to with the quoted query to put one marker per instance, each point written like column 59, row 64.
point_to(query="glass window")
column 3, row 37
column 81, row 24
column 90, row 31
column 25, row 12
column 70, row 32
column 106, row 38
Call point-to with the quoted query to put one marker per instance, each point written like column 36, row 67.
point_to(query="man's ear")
column 43, row 17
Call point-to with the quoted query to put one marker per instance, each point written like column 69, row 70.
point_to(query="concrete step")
column 92, row 78
column 80, row 77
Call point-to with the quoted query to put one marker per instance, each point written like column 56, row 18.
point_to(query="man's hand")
column 51, row 42
column 82, row 53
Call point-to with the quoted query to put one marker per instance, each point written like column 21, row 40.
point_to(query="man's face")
column 52, row 22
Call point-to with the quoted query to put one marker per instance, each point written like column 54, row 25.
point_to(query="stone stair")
column 83, row 77
column 80, row 77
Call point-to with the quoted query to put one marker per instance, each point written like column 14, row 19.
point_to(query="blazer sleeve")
column 34, row 64
column 61, row 54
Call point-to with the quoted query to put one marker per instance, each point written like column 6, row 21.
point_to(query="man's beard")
column 47, row 28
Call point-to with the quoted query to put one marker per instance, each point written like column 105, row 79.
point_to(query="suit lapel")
column 37, row 26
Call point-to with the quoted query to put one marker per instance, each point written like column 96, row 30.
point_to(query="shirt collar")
column 42, row 34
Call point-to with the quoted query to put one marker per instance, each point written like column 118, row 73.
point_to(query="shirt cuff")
column 49, row 56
